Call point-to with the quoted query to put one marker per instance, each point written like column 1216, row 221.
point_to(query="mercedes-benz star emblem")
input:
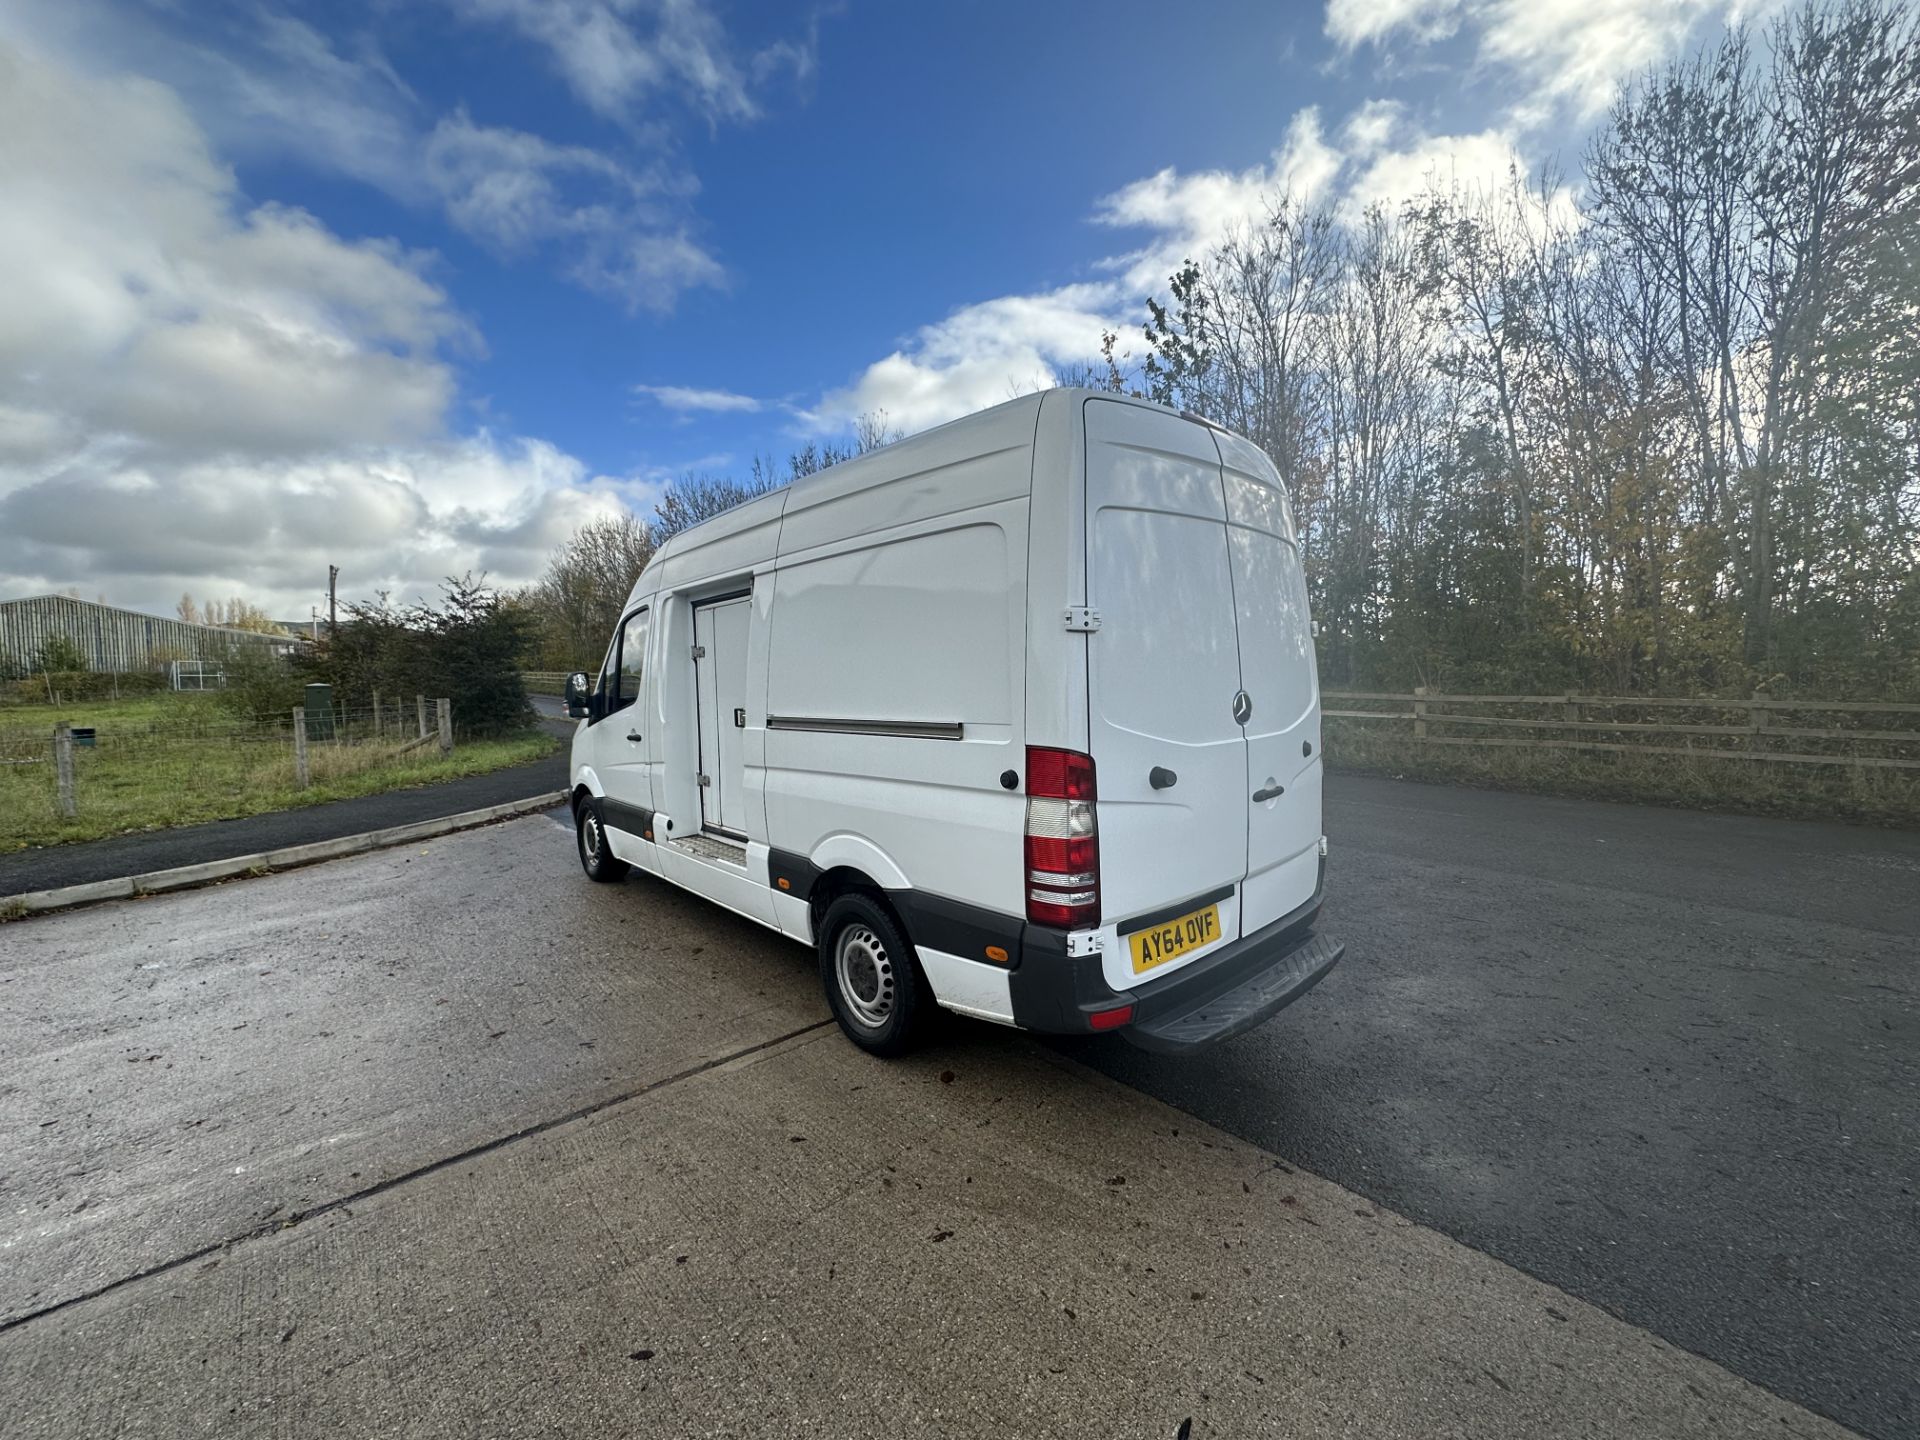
column 1242, row 708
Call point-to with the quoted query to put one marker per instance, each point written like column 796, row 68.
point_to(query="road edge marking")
column 265, row 862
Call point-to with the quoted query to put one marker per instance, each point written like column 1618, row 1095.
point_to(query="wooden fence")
column 545, row 682
column 1758, row 728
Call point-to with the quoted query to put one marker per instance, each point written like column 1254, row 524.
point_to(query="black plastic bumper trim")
column 634, row 819
column 800, row 873
column 956, row 927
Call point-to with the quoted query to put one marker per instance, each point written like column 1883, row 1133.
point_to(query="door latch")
column 1082, row 619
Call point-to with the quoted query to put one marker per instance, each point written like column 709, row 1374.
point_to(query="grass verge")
column 166, row 761
column 1860, row 796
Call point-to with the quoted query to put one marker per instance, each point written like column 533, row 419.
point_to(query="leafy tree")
column 1658, row 434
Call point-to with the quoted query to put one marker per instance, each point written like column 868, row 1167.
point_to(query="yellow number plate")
column 1173, row 939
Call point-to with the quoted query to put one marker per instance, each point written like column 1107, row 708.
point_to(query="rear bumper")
column 1229, row 990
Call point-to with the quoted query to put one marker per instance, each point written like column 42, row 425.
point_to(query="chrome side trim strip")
column 908, row 729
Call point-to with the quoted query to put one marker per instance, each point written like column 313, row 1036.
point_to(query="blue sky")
column 416, row 287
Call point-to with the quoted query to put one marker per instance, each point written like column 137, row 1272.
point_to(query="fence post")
column 300, row 775
column 1571, row 715
column 1757, row 718
column 1419, row 712
column 376, row 717
column 445, row 711
column 420, row 711
column 63, row 768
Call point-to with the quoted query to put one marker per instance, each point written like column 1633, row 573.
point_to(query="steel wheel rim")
column 865, row 976
column 590, row 837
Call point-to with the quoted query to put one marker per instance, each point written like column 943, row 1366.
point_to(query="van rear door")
column 1163, row 672
column 1280, row 678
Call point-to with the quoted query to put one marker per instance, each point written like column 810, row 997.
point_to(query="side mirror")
column 579, row 706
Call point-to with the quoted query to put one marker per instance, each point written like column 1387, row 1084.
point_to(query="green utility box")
column 319, row 712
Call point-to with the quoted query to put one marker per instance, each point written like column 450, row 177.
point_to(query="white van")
column 1017, row 717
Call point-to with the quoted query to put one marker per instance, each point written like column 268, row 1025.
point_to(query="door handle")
column 1269, row 791
column 633, row 735
column 1161, row 778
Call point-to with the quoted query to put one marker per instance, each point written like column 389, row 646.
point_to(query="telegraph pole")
column 333, row 616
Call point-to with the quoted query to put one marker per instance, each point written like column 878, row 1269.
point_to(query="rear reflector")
column 1063, row 840
column 1111, row 1019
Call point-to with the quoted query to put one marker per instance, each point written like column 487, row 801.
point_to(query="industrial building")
column 115, row 639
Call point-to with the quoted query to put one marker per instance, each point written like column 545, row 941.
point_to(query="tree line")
column 1654, row 434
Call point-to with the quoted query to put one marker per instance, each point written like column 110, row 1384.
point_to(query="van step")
column 1242, row 1007
column 712, row 847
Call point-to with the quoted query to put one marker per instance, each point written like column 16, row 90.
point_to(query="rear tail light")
column 1063, row 840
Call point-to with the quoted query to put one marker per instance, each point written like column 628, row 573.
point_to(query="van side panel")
column 895, row 680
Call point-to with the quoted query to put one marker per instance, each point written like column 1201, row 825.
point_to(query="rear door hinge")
column 1085, row 942
column 705, row 780
column 699, row 652
column 1082, row 619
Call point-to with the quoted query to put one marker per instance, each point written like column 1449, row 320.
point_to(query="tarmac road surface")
column 1669, row 1061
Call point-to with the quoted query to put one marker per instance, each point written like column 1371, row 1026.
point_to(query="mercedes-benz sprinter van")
column 1018, row 717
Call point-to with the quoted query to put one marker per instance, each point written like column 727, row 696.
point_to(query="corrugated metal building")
column 112, row 638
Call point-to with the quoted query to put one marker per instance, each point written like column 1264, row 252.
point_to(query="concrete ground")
column 446, row 1141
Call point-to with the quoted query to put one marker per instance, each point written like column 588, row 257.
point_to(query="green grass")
column 1804, row 792
column 165, row 708
column 170, row 760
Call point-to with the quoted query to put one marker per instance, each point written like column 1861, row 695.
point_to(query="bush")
column 259, row 682
column 59, row 654
column 467, row 648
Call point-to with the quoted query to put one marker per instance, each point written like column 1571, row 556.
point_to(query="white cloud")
column 1569, row 51
column 158, row 308
column 515, row 192
column 279, row 88
column 685, row 398
column 1372, row 127
column 198, row 395
column 1478, row 163
column 1354, row 22
column 1579, row 50
column 397, row 520
column 976, row 357
column 614, row 64
column 1193, row 212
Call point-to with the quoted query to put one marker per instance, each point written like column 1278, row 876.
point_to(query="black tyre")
column 872, row 980
column 590, row 831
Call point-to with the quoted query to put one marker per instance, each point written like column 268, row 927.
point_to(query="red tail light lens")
column 1063, row 840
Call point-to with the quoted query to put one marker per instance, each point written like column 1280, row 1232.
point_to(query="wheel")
column 873, row 983
column 596, row 856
